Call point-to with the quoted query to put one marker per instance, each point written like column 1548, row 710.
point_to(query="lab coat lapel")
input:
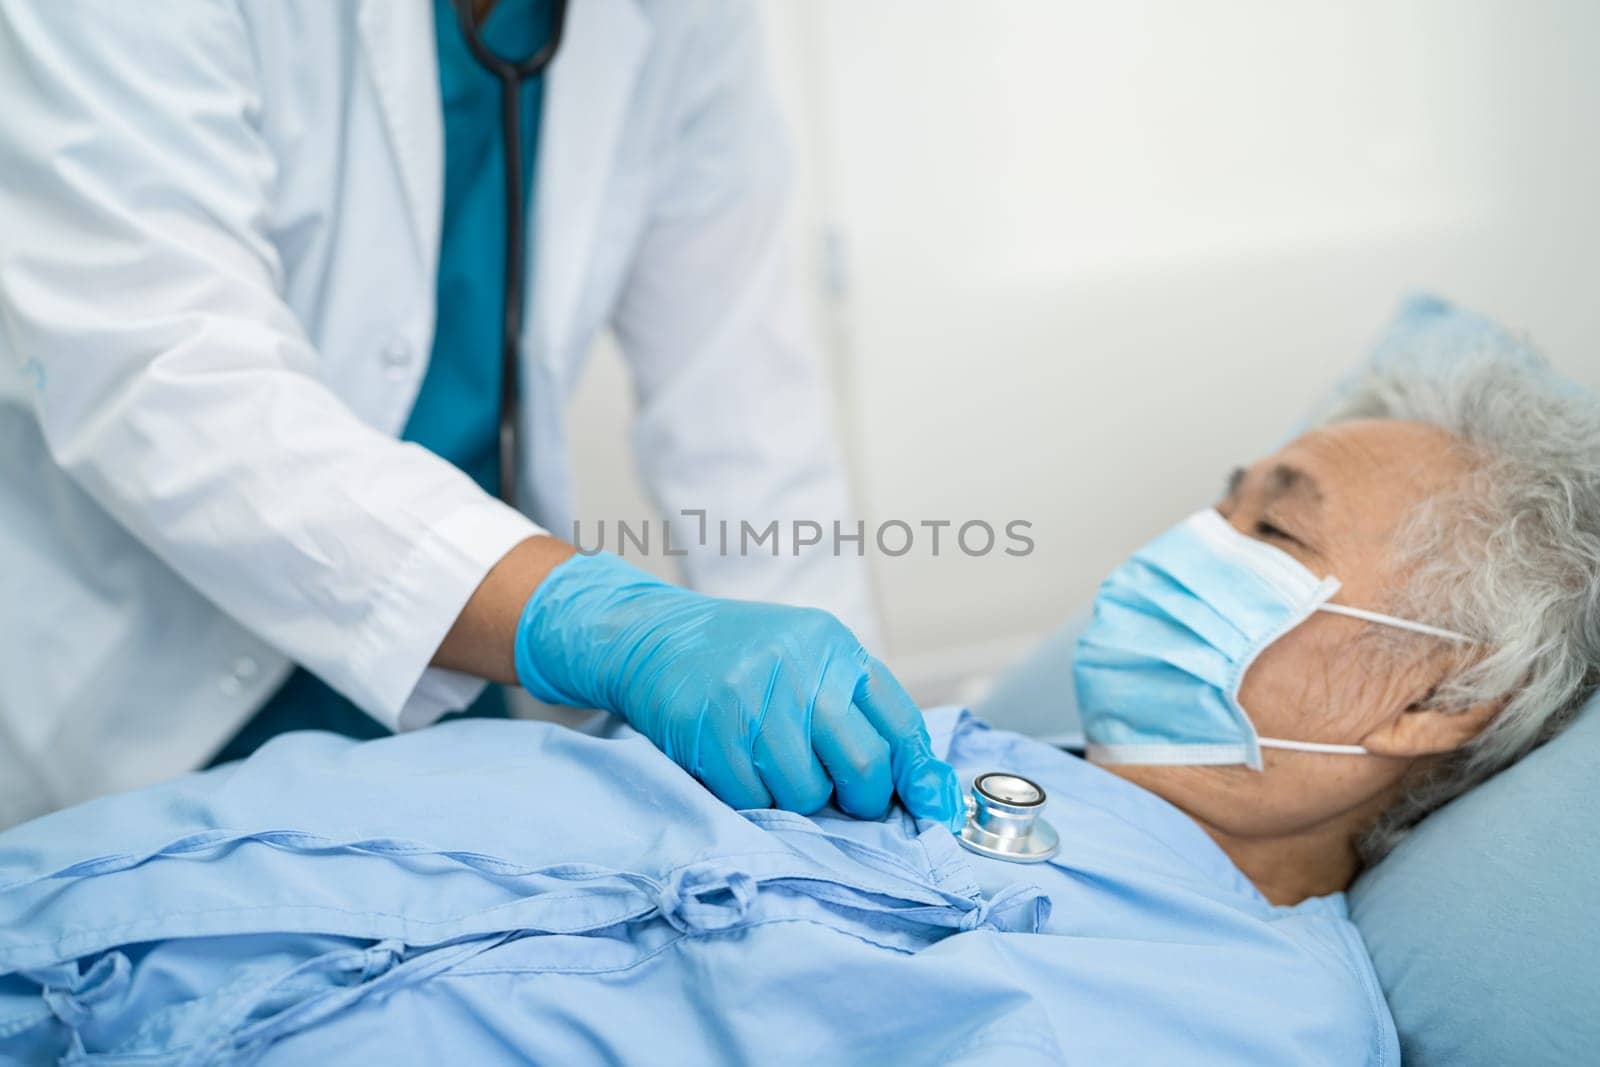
column 403, row 63
column 591, row 82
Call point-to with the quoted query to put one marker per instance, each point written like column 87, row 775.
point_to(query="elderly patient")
column 1456, row 509
column 1375, row 617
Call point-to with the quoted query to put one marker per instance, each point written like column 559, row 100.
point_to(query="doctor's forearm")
column 482, row 640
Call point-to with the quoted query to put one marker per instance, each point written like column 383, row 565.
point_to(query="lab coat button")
column 243, row 669
column 396, row 356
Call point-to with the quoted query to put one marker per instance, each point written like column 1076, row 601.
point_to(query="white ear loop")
column 1312, row 746
column 1399, row 624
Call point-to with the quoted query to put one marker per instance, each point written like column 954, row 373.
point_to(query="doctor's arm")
column 733, row 417
column 768, row 705
column 139, row 274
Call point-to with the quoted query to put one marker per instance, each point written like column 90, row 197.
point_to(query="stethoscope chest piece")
column 1004, row 821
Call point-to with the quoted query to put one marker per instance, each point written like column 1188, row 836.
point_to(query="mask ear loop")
column 1399, row 624
column 1312, row 746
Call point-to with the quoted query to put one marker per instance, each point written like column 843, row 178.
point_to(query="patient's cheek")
column 1290, row 691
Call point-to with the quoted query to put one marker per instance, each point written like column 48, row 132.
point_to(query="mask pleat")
column 1162, row 640
column 1159, row 595
column 1149, row 703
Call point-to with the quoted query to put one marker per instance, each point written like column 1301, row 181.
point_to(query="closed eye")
column 1267, row 530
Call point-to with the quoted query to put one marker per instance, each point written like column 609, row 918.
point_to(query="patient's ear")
column 1425, row 731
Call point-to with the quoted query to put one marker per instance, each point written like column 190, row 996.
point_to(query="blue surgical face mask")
column 1175, row 628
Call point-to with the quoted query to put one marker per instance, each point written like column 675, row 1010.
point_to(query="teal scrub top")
column 457, row 411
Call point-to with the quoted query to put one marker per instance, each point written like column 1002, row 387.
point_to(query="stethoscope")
column 511, row 74
column 1005, row 819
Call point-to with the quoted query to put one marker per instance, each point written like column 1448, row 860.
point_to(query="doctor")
column 252, row 259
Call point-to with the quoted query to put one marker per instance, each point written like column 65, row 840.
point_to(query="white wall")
column 1093, row 255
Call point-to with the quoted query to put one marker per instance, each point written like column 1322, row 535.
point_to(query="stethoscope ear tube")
column 511, row 74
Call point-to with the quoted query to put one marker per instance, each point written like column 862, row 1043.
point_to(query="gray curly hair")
column 1511, row 556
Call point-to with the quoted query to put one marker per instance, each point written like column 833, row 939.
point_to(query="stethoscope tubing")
column 511, row 75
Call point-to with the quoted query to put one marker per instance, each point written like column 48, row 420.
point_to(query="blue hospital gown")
column 491, row 891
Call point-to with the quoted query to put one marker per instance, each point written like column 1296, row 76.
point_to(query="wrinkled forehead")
column 1363, row 476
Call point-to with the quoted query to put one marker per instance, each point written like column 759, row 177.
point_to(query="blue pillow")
column 1482, row 922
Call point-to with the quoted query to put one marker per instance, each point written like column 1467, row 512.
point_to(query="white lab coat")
column 219, row 234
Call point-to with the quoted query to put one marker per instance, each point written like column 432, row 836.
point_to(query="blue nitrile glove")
column 765, row 704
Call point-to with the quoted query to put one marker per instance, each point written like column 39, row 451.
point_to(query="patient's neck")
column 1291, row 868
column 1311, row 860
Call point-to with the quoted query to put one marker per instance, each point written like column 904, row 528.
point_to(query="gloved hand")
column 765, row 704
